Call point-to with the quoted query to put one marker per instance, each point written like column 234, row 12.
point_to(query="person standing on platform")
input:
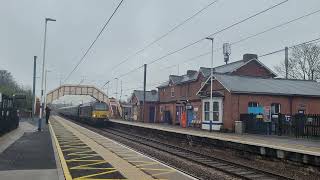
column 47, row 114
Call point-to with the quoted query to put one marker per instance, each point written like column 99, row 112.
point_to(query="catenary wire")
column 215, row 33
column 249, row 37
column 316, row 40
column 165, row 34
column 93, row 42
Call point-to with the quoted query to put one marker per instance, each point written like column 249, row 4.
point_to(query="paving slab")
column 32, row 151
column 28, row 154
column 38, row 174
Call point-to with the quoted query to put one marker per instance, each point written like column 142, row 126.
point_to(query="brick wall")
column 236, row 104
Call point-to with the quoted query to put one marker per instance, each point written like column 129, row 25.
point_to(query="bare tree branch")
column 304, row 63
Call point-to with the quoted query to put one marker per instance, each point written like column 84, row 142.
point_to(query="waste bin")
column 239, row 129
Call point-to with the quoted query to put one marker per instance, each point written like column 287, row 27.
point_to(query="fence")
column 299, row 125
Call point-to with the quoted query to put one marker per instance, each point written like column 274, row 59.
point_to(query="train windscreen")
column 100, row 106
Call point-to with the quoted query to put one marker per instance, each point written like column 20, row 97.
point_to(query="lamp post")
column 117, row 79
column 45, row 85
column 211, row 79
column 43, row 73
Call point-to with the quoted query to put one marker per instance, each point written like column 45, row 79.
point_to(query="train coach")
column 94, row 113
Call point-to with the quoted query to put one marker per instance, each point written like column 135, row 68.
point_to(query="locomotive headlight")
column 94, row 115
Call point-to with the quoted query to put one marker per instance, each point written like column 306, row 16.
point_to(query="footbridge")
column 92, row 91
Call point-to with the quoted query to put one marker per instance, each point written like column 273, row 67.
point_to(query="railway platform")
column 84, row 154
column 65, row 150
column 306, row 151
column 28, row 154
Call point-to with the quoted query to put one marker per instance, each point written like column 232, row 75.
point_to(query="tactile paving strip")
column 82, row 161
column 154, row 168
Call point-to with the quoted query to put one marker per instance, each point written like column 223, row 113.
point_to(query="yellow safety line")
column 87, row 165
column 97, row 174
column 63, row 162
column 69, row 149
column 84, row 157
column 79, row 153
column 86, row 160
column 99, row 179
column 93, row 168
column 69, row 145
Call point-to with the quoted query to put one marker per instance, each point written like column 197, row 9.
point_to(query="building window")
column 206, row 111
column 275, row 108
column 253, row 104
column 172, row 92
column 215, row 111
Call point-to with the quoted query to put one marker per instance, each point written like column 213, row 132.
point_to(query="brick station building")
column 136, row 101
column 179, row 93
column 234, row 95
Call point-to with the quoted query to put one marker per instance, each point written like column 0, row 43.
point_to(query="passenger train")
column 94, row 113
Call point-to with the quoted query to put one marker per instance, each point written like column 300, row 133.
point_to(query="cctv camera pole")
column 211, row 79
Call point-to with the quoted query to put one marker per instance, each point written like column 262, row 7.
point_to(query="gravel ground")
column 191, row 168
column 289, row 169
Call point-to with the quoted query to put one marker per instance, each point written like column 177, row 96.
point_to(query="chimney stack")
column 191, row 72
column 248, row 57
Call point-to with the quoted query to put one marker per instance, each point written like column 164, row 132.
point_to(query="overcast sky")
column 137, row 23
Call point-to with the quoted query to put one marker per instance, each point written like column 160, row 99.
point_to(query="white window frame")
column 215, row 99
column 272, row 104
column 205, row 111
column 172, row 92
column 253, row 102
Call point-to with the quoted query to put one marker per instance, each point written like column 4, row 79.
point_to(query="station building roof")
column 151, row 96
column 269, row 86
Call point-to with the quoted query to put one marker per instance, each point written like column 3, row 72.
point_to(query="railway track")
column 231, row 168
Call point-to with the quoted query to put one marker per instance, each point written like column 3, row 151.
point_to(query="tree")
column 9, row 86
column 303, row 63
